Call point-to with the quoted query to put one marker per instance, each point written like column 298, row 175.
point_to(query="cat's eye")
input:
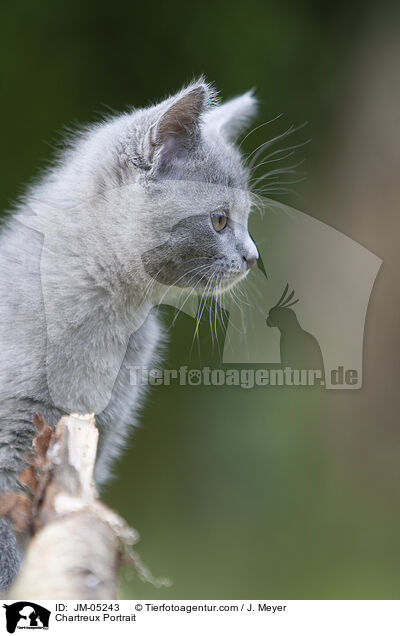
column 219, row 220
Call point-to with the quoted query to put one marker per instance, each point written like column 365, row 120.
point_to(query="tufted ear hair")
column 232, row 117
column 177, row 129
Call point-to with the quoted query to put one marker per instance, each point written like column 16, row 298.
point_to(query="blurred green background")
column 236, row 493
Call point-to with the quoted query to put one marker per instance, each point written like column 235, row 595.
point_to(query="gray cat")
column 140, row 205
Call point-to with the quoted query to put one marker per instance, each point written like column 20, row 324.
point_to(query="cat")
column 148, row 202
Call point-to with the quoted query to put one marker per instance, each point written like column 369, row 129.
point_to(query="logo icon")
column 26, row 615
column 299, row 349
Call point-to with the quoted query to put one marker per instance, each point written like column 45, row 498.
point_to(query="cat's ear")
column 232, row 117
column 176, row 130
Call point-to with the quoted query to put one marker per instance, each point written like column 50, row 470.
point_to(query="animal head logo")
column 26, row 615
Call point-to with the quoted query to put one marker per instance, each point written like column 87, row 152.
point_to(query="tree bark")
column 77, row 543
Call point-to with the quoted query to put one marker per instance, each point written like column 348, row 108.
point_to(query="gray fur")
column 76, row 292
column 10, row 556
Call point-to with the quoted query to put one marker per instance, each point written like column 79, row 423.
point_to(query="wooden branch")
column 76, row 546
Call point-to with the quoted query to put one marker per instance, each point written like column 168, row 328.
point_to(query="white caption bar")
column 194, row 617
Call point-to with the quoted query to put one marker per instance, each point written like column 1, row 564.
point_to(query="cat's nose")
column 250, row 261
column 251, row 255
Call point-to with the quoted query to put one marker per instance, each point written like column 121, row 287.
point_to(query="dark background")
column 261, row 493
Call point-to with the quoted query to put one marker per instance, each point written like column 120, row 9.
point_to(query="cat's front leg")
column 118, row 419
column 10, row 556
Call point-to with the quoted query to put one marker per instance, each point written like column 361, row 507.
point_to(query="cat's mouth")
column 216, row 280
column 230, row 279
column 201, row 275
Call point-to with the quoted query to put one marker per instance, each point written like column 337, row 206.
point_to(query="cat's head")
column 194, row 186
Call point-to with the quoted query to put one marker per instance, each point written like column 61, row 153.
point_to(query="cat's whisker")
column 253, row 156
column 201, row 308
column 278, row 151
column 220, row 316
column 278, row 171
column 215, row 316
column 258, row 127
column 241, row 291
column 256, row 295
column 277, row 189
column 234, row 298
column 196, row 335
column 199, row 268
column 239, row 302
column 267, row 144
column 214, row 276
column 268, row 161
column 257, row 203
column 191, row 291
column 269, row 185
column 231, row 321
column 217, row 310
column 153, row 280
